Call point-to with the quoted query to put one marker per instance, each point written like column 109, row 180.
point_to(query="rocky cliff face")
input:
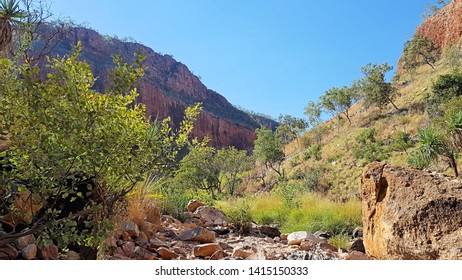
column 411, row 214
column 167, row 88
column 444, row 28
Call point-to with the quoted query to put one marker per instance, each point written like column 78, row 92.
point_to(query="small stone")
column 193, row 205
column 167, row 254
column 269, row 240
column 131, row 228
column 357, row 256
column 8, row 252
column 72, row 256
column 242, row 253
column 219, row 230
column 199, row 234
column 284, row 236
column 357, row 233
column 48, row 252
column 296, row 238
column 23, row 241
column 269, row 231
column 111, row 242
column 277, row 239
column 358, row 245
column 129, row 248
column 144, row 254
column 149, row 229
column 29, row 252
column 206, row 249
column 224, row 245
column 218, row 255
column 170, row 220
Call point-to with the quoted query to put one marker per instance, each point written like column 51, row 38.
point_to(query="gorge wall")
column 167, row 88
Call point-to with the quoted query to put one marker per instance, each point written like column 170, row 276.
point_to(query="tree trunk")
column 5, row 36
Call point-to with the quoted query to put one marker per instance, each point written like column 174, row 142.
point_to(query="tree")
column 10, row 14
column 75, row 152
column 375, row 90
column 232, row 164
column 446, row 87
column 269, row 150
column 198, row 169
column 290, row 127
column 420, row 50
column 313, row 112
column 338, row 101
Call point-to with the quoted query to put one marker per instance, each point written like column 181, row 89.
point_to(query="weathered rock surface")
column 29, row 252
column 411, row 214
column 206, row 250
column 193, row 204
column 199, row 234
column 210, row 216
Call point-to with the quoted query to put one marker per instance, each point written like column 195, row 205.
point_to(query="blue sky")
column 269, row 56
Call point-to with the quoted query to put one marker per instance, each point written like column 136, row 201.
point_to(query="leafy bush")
column 75, row 151
column 369, row 148
column 240, row 217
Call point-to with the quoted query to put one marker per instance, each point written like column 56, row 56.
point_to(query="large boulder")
column 198, row 234
column 411, row 214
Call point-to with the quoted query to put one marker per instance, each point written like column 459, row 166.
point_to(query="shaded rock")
column 219, row 230
column 411, row 214
column 357, row 233
column 323, row 234
column 131, row 228
column 193, row 204
column 170, row 220
column 129, row 248
column 269, row 231
column 167, row 254
column 8, row 252
column 269, row 240
column 48, row 252
column 29, row 252
column 143, row 254
column 211, row 216
column 72, row 256
column 218, row 255
column 149, row 229
column 225, row 246
column 206, row 250
column 358, row 245
column 22, row 242
column 198, row 234
column 357, row 256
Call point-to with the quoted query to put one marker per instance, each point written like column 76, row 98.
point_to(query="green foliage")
column 290, row 127
column 60, row 125
column 239, row 216
column 369, row 148
column 339, row 100
column 313, row 112
column 445, row 87
column 232, row 163
column 198, row 169
column 373, row 86
column 418, row 51
column 401, row 141
column 454, row 57
column 269, row 149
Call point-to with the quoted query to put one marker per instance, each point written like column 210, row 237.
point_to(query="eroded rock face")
column 411, row 214
column 444, row 29
column 167, row 87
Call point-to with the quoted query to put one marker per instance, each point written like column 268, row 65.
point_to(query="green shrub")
column 369, row 148
column 240, row 218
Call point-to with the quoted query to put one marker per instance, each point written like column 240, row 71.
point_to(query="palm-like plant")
column 10, row 14
column 434, row 144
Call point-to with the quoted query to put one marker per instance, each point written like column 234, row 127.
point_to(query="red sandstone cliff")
column 167, row 88
column 444, row 28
